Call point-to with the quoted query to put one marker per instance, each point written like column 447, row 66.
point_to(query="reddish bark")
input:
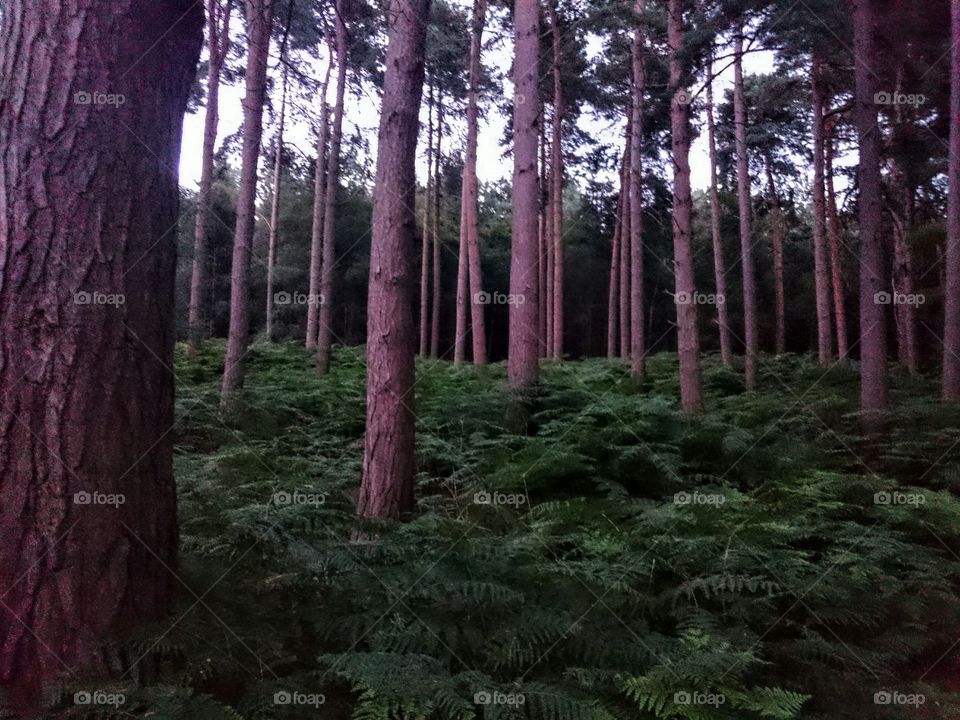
column 951, row 335
column 821, row 270
column 259, row 24
column 550, row 256
column 425, row 243
column 437, row 296
column 275, row 209
column 834, row 233
column 86, row 321
column 218, row 33
column 543, row 230
column 776, row 233
column 638, row 61
column 319, row 196
column 556, row 183
column 389, row 464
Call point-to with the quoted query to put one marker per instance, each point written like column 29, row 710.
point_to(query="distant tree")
column 951, row 344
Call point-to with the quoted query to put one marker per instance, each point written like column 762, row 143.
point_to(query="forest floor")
column 623, row 561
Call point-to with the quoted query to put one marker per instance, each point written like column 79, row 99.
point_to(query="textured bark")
column 389, row 464
column 821, row 270
column 543, row 230
column 625, row 328
column 719, row 272
column 275, row 209
column 638, row 61
column 873, row 331
column 425, row 243
column 688, row 340
column 556, row 184
column 471, row 186
column 523, row 363
column 218, row 32
column 833, row 232
column 319, row 198
column 259, row 23
column 613, row 298
column 777, row 233
column 463, row 288
column 951, row 335
column 437, row 296
column 751, row 340
column 87, row 399
column 550, row 255
column 325, row 317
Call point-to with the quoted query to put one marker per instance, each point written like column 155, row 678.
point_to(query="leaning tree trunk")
column 523, row 362
column 389, row 464
column 821, row 271
column 833, row 231
column 275, row 209
column 325, row 318
column 951, row 335
column 719, row 271
column 218, row 31
column 613, row 297
column 437, row 261
column 873, row 330
column 751, row 338
column 556, row 192
column 259, row 24
column 776, row 233
column 425, row 244
column 319, row 198
column 688, row 341
column 87, row 500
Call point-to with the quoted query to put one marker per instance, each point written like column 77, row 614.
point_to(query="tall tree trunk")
column 557, row 183
column 437, row 264
column 275, row 209
column 833, row 231
column 951, row 335
column 873, row 330
column 389, row 464
column 425, row 245
column 613, row 298
column 88, row 524
column 544, row 230
column 523, row 363
column 550, row 254
column 218, row 32
column 637, row 346
column 777, row 233
column 625, row 328
column 259, row 24
column 688, row 340
column 821, row 270
column 319, row 201
column 325, row 318
column 751, row 339
column 463, row 289
column 471, row 187
column 719, row 272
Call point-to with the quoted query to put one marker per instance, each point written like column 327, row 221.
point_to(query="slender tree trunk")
column 688, row 340
column 88, row 524
column 951, row 335
column 719, row 272
column 625, row 235
column 637, row 345
column 821, row 271
column 325, row 317
column 218, row 32
column 873, row 330
column 275, row 210
column 556, row 179
column 319, row 201
column 437, row 265
column 425, row 245
column 776, row 233
column 463, row 288
column 389, row 463
column 751, row 339
column 523, row 363
column 836, row 264
column 550, row 254
column 613, row 299
column 544, row 229
column 259, row 24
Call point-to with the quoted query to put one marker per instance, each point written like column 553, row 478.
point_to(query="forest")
column 480, row 359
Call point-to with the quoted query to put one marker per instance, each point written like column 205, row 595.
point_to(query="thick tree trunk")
column 425, row 245
column 873, row 330
column 259, row 24
column 319, row 201
column 389, row 464
column 325, row 317
column 613, row 298
column 218, row 32
column 688, row 340
column 777, row 233
column 625, row 234
column 833, row 231
column 556, row 180
column 719, row 271
column 951, row 335
column 437, row 264
column 821, row 271
column 637, row 345
column 275, row 210
column 751, row 340
column 87, row 500
column 903, row 282
column 523, row 363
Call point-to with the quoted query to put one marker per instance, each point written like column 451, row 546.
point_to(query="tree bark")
column 389, row 463
column 688, row 340
column 259, row 24
column 325, row 317
column 625, row 327
column 557, row 183
column 550, row 254
column 613, row 298
column 87, row 267
column 544, row 230
column 777, row 233
column 218, row 32
column 523, row 362
column 319, row 198
column 637, row 345
column 821, row 271
column 437, row 265
column 425, row 245
column 463, row 288
column 719, row 272
column 275, row 210
column 833, row 230
column 951, row 335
